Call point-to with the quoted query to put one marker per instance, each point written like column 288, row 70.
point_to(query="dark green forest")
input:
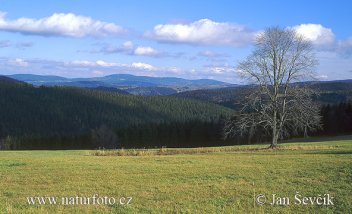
column 329, row 93
column 334, row 98
column 68, row 117
column 78, row 118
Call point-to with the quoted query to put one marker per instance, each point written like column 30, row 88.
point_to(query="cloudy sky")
column 189, row 39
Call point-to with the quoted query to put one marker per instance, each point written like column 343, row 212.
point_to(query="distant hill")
column 141, row 85
column 37, row 79
column 131, row 80
column 9, row 82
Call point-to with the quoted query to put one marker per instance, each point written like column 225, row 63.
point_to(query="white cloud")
column 60, row 24
column 316, row 33
column 141, row 65
column 324, row 39
column 19, row 62
column 126, row 48
column 322, row 77
column 145, row 51
column 221, row 69
column 112, row 65
column 128, row 45
column 345, row 47
column 98, row 63
column 203, row 31
column 107, row 64
column 98, row 73
column 175, row 70
column 347, row 42
column 130, row 49
column 212, row 54
column 80, row 63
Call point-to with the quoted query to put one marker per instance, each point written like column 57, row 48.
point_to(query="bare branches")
column 280, row 59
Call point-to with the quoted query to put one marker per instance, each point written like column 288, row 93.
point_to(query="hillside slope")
column 48, row 111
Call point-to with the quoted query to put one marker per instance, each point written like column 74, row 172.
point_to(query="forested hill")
column 330, row 93
column 9, row 82
column 67, row 111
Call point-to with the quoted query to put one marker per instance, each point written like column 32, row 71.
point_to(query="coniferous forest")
column 78, row 118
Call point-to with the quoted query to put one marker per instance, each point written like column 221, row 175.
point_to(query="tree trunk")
column 275, row 131
column 274, row 139
column 250, row 136
column 305, row 132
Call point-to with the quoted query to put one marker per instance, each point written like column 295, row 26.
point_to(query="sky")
column 188, row 39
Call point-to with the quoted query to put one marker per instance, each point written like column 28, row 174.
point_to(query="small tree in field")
column 276, row 102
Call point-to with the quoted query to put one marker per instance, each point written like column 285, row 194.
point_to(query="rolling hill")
column 134, row 84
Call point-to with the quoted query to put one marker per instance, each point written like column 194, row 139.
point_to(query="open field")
column 220, row 180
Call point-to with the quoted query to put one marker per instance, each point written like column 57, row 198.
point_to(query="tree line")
column 336, row 119
column 74, row 118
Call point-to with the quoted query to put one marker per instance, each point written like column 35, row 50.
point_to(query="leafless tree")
column 277, row 102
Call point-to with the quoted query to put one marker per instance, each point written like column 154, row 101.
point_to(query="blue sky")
column 189, row 39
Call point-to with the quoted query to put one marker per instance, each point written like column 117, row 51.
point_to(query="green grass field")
column 223, row 180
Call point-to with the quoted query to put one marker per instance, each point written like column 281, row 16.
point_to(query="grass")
column 173, row 151
column 202, row 150
column 203, row 180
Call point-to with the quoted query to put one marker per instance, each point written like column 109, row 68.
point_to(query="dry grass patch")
column 205, row 150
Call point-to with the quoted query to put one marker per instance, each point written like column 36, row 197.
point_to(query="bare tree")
column 276, row 101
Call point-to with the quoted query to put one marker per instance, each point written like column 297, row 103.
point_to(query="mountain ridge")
column 118, row 78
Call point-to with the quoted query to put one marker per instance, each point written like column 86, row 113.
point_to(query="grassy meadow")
column 203, row 180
